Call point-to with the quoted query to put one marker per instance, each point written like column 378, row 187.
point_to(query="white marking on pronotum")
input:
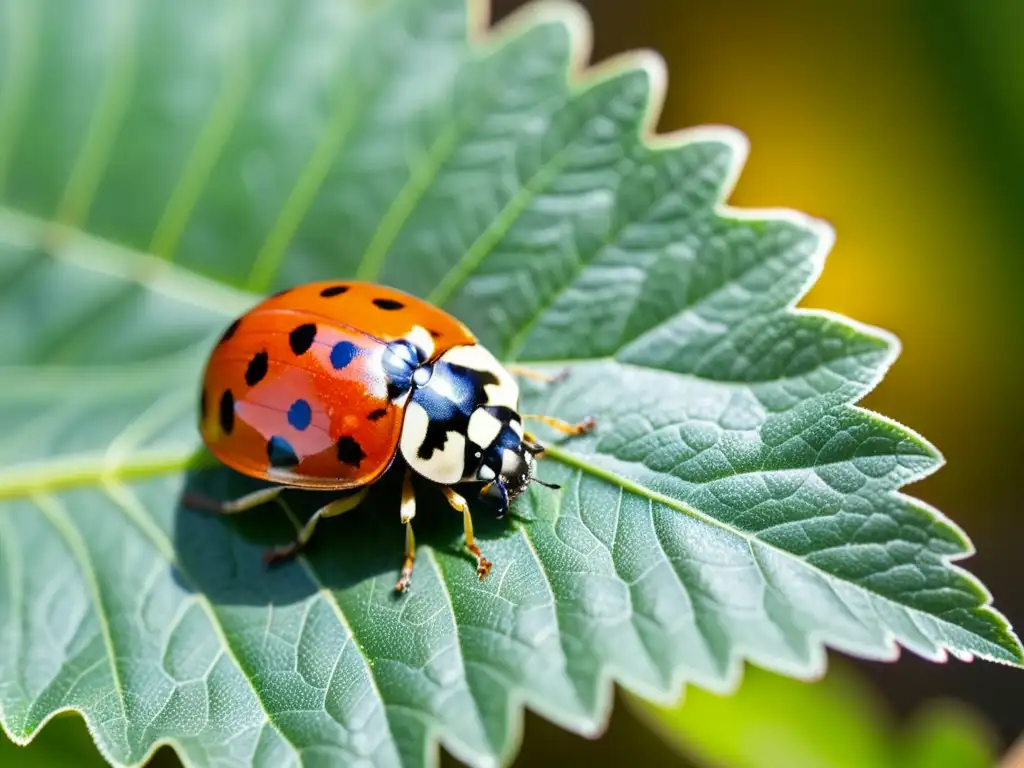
column 475, row 357
column 483, row 428
column 420, row 337
column 446, row 464
column 509, row 461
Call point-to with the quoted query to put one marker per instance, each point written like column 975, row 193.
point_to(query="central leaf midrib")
column 87, row 469
column 79, row 471
column 130, row 470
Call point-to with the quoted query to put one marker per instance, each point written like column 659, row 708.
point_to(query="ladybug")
column 323, row 386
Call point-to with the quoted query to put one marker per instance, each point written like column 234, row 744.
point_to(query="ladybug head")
column 517, row 466
column 508, row 465
column 506, row 461
column 514, row 477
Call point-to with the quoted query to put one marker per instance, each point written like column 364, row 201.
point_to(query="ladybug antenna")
column 553, row 486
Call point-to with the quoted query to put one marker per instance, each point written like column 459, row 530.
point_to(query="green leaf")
column 160, row 161
column 838, row 722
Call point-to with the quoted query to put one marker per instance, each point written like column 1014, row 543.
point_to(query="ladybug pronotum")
column 323, row 386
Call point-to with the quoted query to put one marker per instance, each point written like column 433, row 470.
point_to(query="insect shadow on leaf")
column 222, row 555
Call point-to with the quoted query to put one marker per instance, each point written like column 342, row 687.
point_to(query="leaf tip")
column 1006, row 641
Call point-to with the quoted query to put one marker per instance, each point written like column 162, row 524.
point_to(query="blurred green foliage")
column 64, row 742
column 838, row 722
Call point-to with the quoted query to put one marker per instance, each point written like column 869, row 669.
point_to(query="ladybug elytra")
column 322, row 386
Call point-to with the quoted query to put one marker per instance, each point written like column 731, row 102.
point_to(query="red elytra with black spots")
column 295, row 391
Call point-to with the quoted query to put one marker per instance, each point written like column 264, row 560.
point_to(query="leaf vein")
column 111, row 109
column 207, row 150
column 579, row 266
column 22, row 44
column 608, row 476
column 332, row 602
column 458, row 646
column 682, row 584
column 75, row 246
column 54, row 512
column 406, row 202
column 500, row 224
column 341, row 122
column 136, row 513
column 11, row 555
column 577, row 685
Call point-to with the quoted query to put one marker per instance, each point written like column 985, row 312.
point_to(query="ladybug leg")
column 408, row 512
column 564, row 426
column 483, row 565
column 529, row 373
column 336, row 507
column 531, row 444
column 241, row 504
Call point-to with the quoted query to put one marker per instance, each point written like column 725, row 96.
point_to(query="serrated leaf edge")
column 164, row 277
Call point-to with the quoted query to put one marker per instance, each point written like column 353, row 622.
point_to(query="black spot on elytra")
column 227, row 412
column 378, row 414
column 350, row 452
column 301, row 339
column 300, row 415
column 343, row 353
column 334, row 290
column 389, row 304
column 230, row 331
column 435, row 334
column 256, row 369
column 280, row 452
